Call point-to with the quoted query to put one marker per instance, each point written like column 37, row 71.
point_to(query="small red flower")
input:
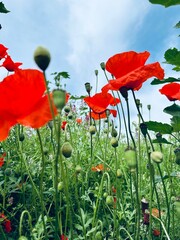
column 63, row 125
column 130, row 70
column 156, row 232
column 10, row 65
column 6, row 223
column 63, row 237
column 98, row 168
column 79, row 120
column 3, row 51
column 22, row 100
column 171, row 91
column 100, row 101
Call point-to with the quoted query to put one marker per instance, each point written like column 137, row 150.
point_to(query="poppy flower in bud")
column 42, row 57
column 130, row 70
column 10, row 65
column 3, row 51
column 171, row 91
column 23, row 100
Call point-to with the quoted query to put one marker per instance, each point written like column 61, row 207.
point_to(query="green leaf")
column 64, row 74
column 163, row 128
column 156, row 81
column 173, row 110
column 177, row 25
column 3, row 9
column 175, row 123
column 161, row 140
column 172, row 56
column 166, row 3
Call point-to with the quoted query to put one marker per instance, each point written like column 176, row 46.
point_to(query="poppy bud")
column 149, row 107
column 42, row 57
column 124, row 92
column 157, row 156
column 88, row 87
column 59, row 98
column 130, row 157
column 70, row 116
column 45, row 150
column 114, row 132
column 96, row 72
column 109, row 200
column 66, row 150
column 119, row 173
column 67, row 109
column 114, row 142
column 61, row 186
column 78, row 169
column 102, row 66
column 99, row 236
column 92, row 129
column 177, row 153
column 22, row 238
column 143, row 128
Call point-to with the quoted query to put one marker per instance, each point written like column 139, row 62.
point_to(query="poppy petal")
column 40, row 115
column 123, row 63
column 5, row 126
column 171, row 91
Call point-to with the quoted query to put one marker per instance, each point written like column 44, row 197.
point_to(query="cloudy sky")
column 80, row 34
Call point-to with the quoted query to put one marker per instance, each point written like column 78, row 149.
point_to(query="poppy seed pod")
column 130, row 157
column 157, row 156
column 124, row 92
column 66, row 150
column 96, row 72
column 114, row 132
column 109, row 200
column 177, row 153
column 88, row 87
column 59, row 98
column 114, row 142
column 78, row 169
column 102, row 66
column 143, row 128
column 92, row 129
column 42, row 57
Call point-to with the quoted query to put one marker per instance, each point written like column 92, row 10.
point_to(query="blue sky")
column 80, row 34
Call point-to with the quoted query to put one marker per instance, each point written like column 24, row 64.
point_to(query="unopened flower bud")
column 149, row 107
column 130, row 157
column 103, row 66
column 143, row 128
column 114, row 142
column 92, row 129
column 66, row 150
column 88, row 87
column 59, row 97
column 157, row 156
column 42, row 57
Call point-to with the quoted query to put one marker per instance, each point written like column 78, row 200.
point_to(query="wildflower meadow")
column 76, row 167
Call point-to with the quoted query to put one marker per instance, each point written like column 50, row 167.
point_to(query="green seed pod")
column 99, row 235
column 114, row 142
column 21, row 137
column 105, row 195
column 157, row 157
column 59, row 98
column 119, row 173
column 66, row 150
column 114, row 132
column 78, row 169
column 67, row 109
column 60, row 186
column 92, row 129
column 177, row 153
column 109, row 200
column 130, row 157
column 22, row 238
column 70, row 116
column 42, row 57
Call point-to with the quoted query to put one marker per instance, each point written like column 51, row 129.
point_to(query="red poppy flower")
column 171, row 90
column 100, row 101
column 98, row 168
column 98, row 116
column 6, row 223
column 63, row 125
column 130, row 71
column 10, row 65
column 63, row 237
column 22, row 100
column 2, row 159
column 79, row 120
column 156, row 232
column 3, row 51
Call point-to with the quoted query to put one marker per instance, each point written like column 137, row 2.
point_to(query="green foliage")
column 172, row 56
column 175, row 123
column 3, row 9
column 177, row 25
column 156, row 81
column 165, row 3
column 163, row 128
column 161, row 140
column 173, row 110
